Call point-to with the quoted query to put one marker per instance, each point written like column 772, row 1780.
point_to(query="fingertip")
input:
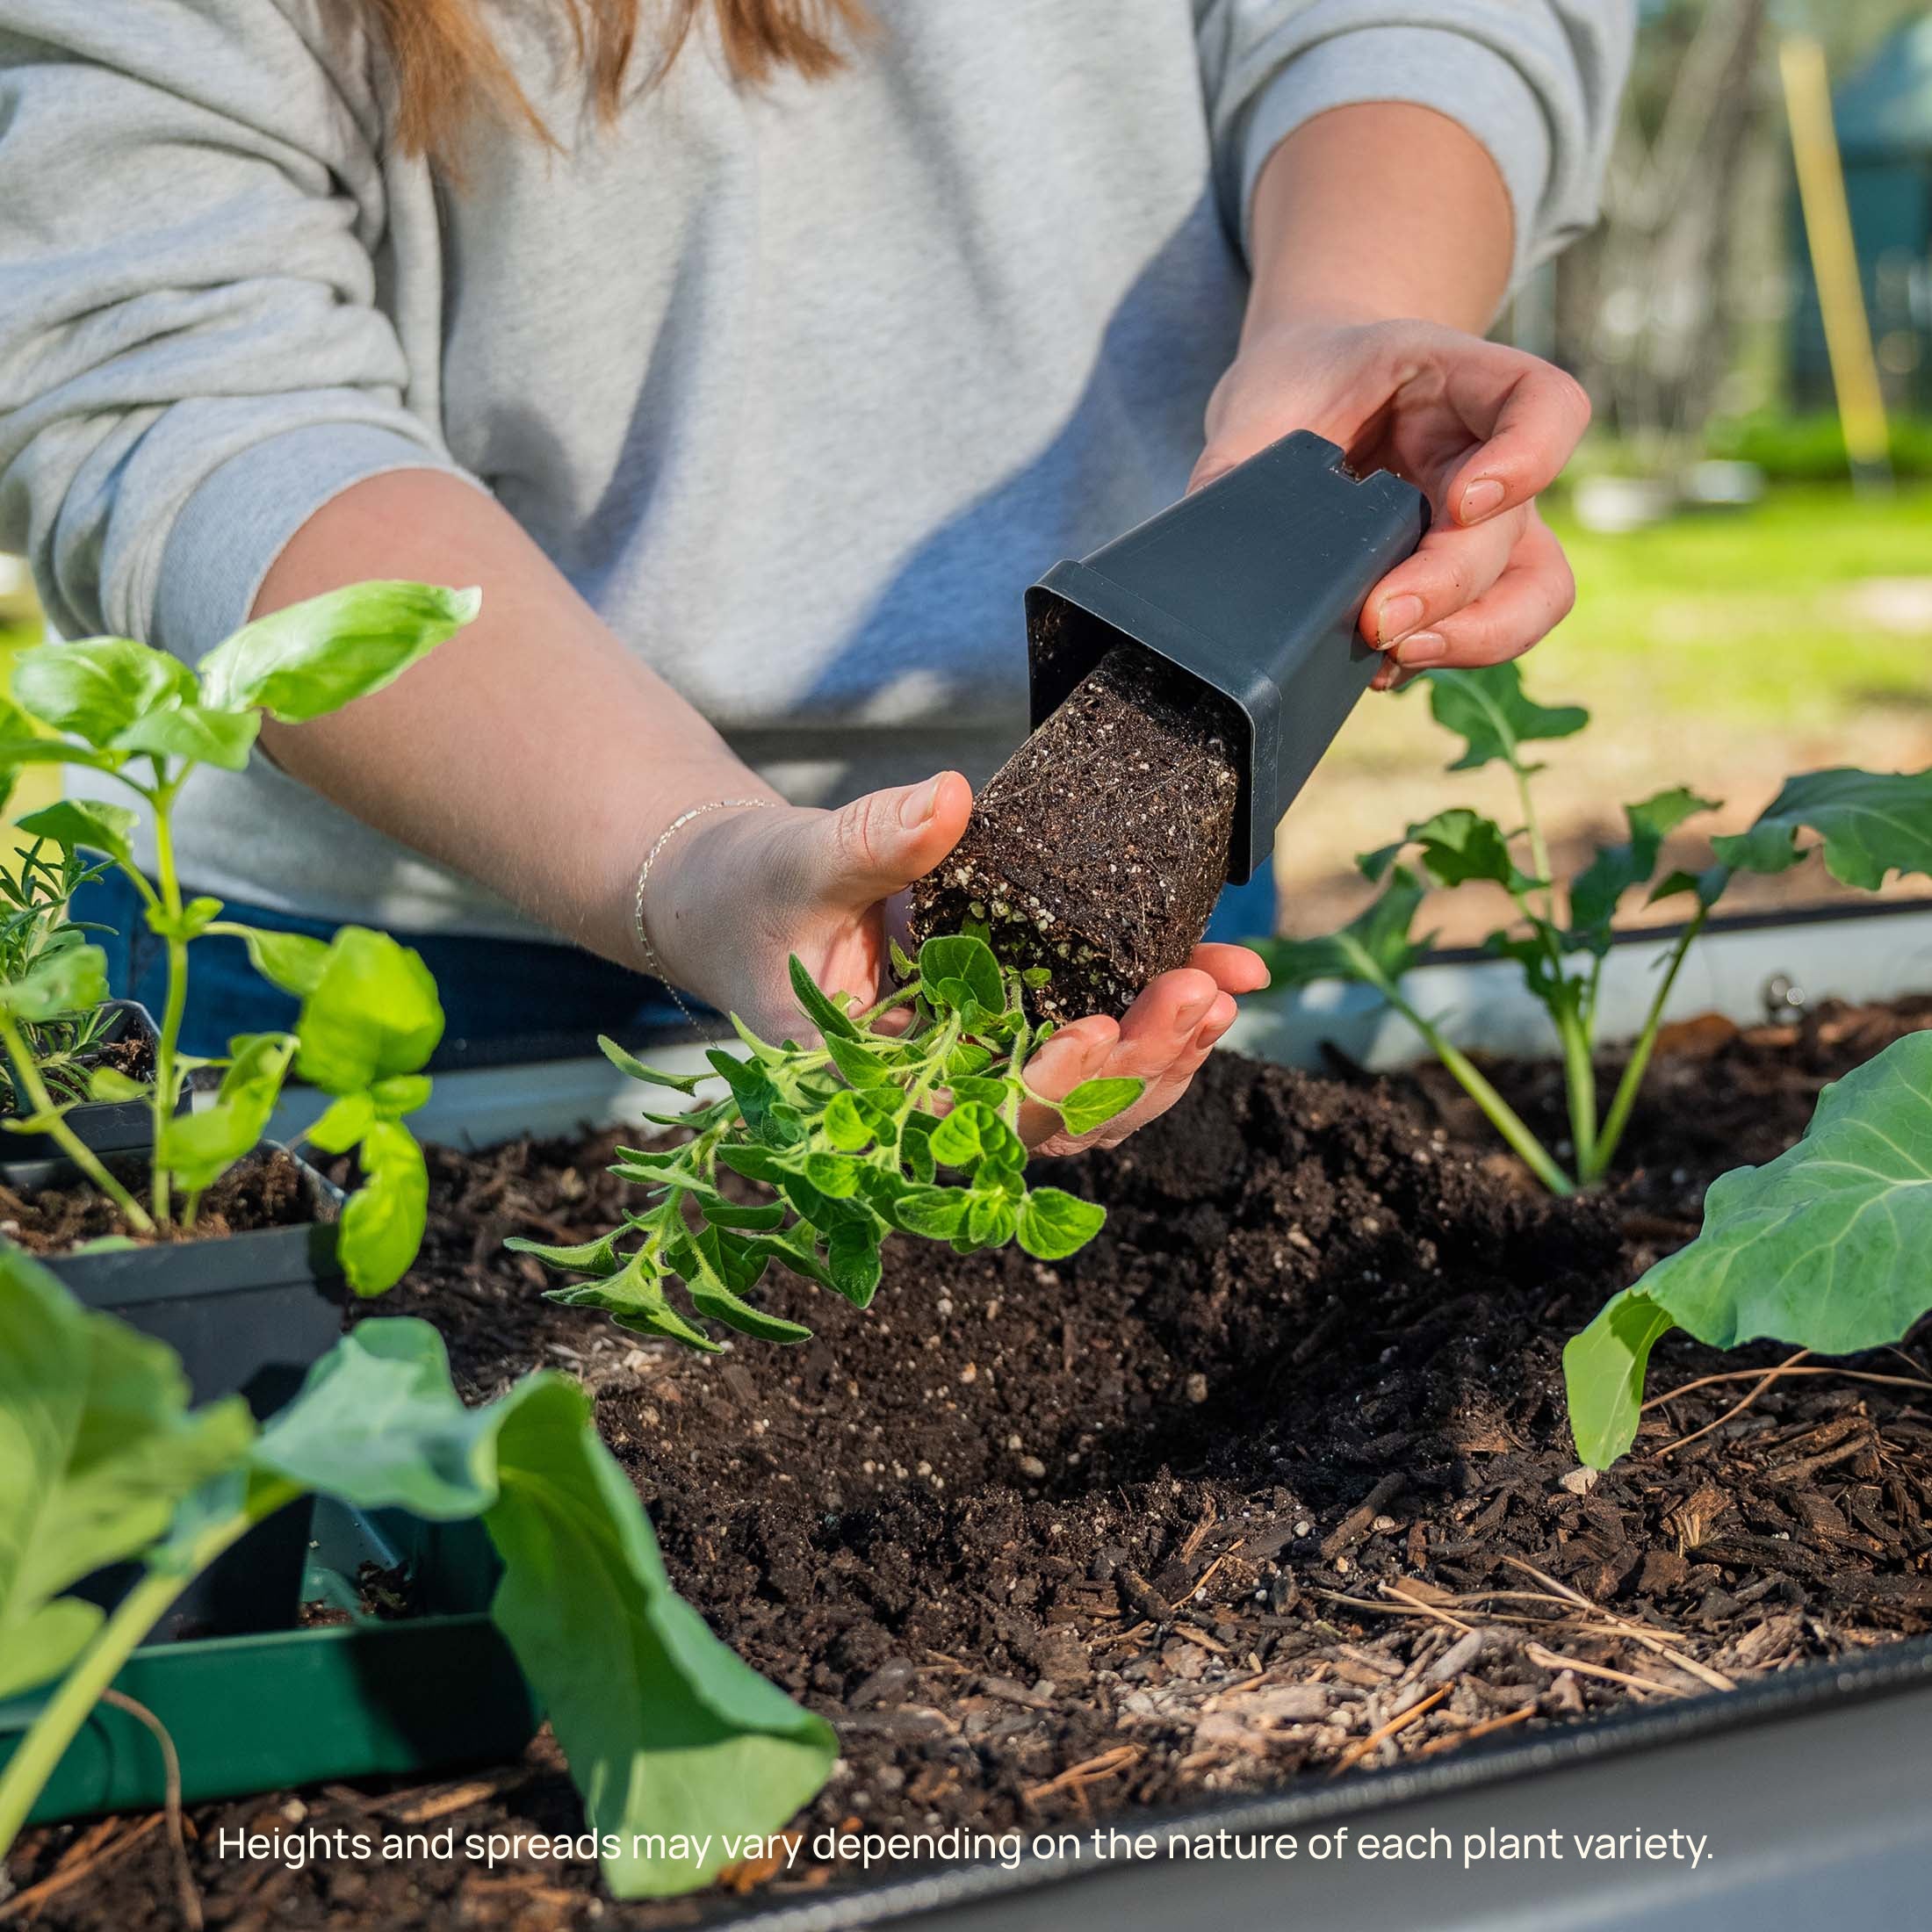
column 1234, row 969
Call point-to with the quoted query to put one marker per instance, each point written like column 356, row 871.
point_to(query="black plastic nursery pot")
column 248, row 1314
column 106, row 1127
column 437, row 1686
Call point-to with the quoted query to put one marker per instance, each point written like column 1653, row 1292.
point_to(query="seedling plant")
column 368, row 1017
column 854, row 1135
column 106, row 1463
column 1868, row 824
column 37, row 885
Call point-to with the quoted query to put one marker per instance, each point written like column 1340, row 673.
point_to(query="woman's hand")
column 735, row 892
column 1479, row 428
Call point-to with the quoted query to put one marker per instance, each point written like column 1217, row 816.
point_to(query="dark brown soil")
column 131, row 1055
column 266, row 1191
column 1211, row 1506
column 1097, row 850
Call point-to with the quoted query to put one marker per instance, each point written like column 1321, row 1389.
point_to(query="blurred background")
column 1755, row 599
column 1755, row 589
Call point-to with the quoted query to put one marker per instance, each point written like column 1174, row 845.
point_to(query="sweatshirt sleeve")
column 192, row 358
column 1537, row 82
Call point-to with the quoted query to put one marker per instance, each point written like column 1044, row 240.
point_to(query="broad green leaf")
column 1595, row 891
column 97, row 687
column 967, row 962
column 665, row 1730
column 198, row 1148
column 372, row 1013
column 84, row 825
column 383, row 1220
column 1458, row 845
column 629, row 1064
column 1093, row 1103
column 731, row 1213
column 72, row 980
column 194, row 730
column 1870, row 823
column 939, row 1214
column 864, row 1066
column 1487, row 709
column 852, row 1263
column 962, row 1138
column 816, row 1007
column 1374, row 949
column 701, row 1261
column 98, row 1445
column 1053, row 1224
column 1825, row 1248
column 992, row 1220
column 834, row 1175
column 316, row 657
column 846, row 1127
column 112, row 1084
column 291, row 961
column 193, row 919
column 396, row 1094
column 342, row 1122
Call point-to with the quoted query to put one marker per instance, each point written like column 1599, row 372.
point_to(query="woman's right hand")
column 735, row 892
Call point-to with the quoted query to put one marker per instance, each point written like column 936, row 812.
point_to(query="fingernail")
column 1397, row 617
column 1425, row 648
column 1482, row 500
column 918, row 806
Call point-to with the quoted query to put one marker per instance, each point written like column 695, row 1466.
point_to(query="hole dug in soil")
column 1048, row 1545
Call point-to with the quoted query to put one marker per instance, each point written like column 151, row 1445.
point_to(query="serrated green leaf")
column 1458, row 846
column 315, row 657
column 967, row 964
column 1870, row 823
column 852, row 1262
column 1595, row 894
column 700, row 1261
column 634, row 1299
column 629, row 1064
column 85, row 824
column 97, row 687
column 1054, row 1224
column 1487, row 709
column 1093, row 1103
column 963, row 1136
column 835, row 1176
column 598, row 1258
column 939, row 1214
column 1824, row 1248
column 816, row 1006
column 1375, row 948
column 846, row 1127
column 864, row 1066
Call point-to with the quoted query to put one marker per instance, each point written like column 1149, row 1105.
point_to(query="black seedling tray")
column 1253, row 585
column 293, row 1706
column 248, row 1314
column 106, row 1127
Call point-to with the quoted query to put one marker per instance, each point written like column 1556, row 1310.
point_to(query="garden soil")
column 1271, row 1481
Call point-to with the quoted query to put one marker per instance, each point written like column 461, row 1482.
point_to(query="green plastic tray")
column 295, row 1707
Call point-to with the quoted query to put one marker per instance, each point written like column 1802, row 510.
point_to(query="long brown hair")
column 447, row 64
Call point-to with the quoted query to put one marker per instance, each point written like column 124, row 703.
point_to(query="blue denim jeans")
column 504, row 1000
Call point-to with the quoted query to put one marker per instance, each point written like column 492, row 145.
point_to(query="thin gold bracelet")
column 652, row 963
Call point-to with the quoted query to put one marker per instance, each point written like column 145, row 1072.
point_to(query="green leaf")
column 97, row 1445
column 626, row 1063
column 1374, row 949
column 1093, row 1103
column 852, row 1263
column 1824, row 1248
column 968, row 964
column 193, row 919
column 992, row 1220
column 939, row 1214
column 292, row 961
column 383, row 1220
column 84, row 825
column 865, row 1066
column 1596, row 889
column 634, row 1299
column 372, row 1012
column 1487, row 709
column 198, row 1148
column 1459, row 844
column 316, row 657
column 596, row 1258
column 72, row 980
column 665, row 1731
column 703, row 1263
column 845, row 1125
column 342, row 1123
column 396, row 1094
column 816, row 1007
column 1872, row 823
column 110, row 1083
column 194, row 730
column 1053, row 1224
column 97, row 687
column 964, row 1138
column 835, row 1176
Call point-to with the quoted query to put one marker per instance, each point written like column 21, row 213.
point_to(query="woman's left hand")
column 1479, row 428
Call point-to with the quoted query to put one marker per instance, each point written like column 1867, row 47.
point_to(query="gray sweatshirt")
column 800, row 387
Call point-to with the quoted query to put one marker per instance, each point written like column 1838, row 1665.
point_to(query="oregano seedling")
column 868, row 1130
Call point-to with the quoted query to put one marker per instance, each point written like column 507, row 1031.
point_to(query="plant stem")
column 1503, row 1117
column 1540, row 851
column 1579, row 1088
column 63, row 1136
column 1641, row 1048
column 168, row 1040
column 40, row 1751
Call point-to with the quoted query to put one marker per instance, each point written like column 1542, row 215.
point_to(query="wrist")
column 695, row 869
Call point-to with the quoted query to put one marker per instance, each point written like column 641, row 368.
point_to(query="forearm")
column 1379, row 211
column 534, row 752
